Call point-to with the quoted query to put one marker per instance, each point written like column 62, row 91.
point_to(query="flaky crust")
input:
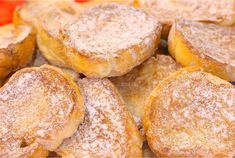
column 39, row 107
column 207, row 45
column 31, row 11
column 108, row 129
column 167, row 11
column 191, row 114
column 49, row 39
column 40, row 60
column 16, row 48
column 106, row 54
column 136, row 86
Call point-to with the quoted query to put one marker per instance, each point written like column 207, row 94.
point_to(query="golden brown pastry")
column 16, row 48
column 167, row 11
column 106, row 40
column 191, row 113
column 136, row 86
column 39, row 107
column 207, row 45
column 39, row 60
column 108, row 129
column 49, row 36
column 30, row 12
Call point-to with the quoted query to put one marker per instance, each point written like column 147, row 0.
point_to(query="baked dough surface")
column 39, row 107
column 191, row 114
column 136, row 86
column 108, row 129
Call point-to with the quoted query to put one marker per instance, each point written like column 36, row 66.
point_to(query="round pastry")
column 49, row 39
column 167, row 11
column 39, row 60
column 30, row 12
column 105, row 40
column 136, row 86
column 16, row 48
column 207, row 45
column 108, row 129
column 191, row 113
column 39, row 107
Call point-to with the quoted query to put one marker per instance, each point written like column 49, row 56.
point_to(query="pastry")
column 39, row 107
column 95, row 43
column 207, row 45
column 191, row 113
column 30, row 12
column 136, row 86
column 39, row 60
column 167, row 11
column 108, row 130
column 16, row 48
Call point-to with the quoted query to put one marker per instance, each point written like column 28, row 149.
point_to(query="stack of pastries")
column 115, row 78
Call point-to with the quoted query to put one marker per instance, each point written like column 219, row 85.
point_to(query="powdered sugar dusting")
column 106, row 29
column 167, row 11
column 198, row 117
column 222, row 40
column 32, row 11
column 136, row 86
column 103, row 132
column 34, row 103
column 58, row 18
column 8, row 35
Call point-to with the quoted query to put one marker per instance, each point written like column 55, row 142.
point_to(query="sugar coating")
column 193, row 115
column 103, row 132
column 10, row 35
column 211, row 40
column 166, row 11
column 136, row 86
column 34, row 104
column 104, row 30
column 32, row 11
column 58, row 16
